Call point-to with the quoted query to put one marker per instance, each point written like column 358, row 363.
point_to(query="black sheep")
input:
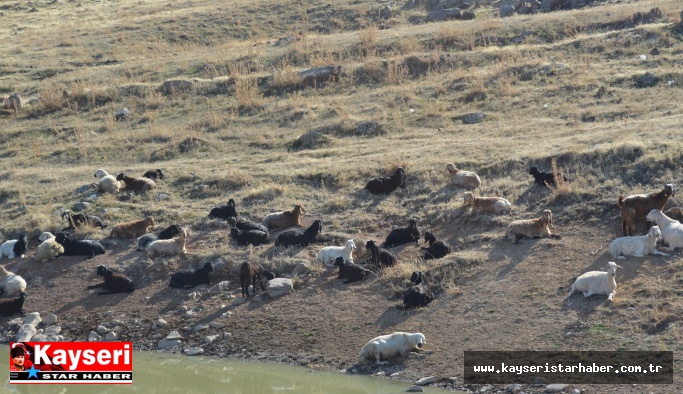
column 225, row 212
column 417, row 277
column 386, row 184
column 350, row 271
column 544, row 178
column 20, row 246
column 182, row 279
column 154, row 174
column 79, row 220
column 300, row 237
column 113, row 283
column 417, row 297
column 167, row 233
column 403, row 235
column 10, row 306
column 249, row 237
column 250, row 273
column 436, row 249
column 244, row 224
column 84, row 247
column 379, row 257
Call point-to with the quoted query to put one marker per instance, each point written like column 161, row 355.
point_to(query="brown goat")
column 250, row 273
column 284, row 219
column 132, row 229
column 635, row 207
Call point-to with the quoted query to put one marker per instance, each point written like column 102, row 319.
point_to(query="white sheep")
column 10, row 283
column 464, row 179
column 672, row 230
column 49, row 249
column 107, row 183
column 329, row 254
column 531, row 228
column 638, row 246
column 168, row 247
column 497, row 205
column 597, row 282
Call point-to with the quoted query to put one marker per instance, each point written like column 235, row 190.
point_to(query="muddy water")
column 165, row 373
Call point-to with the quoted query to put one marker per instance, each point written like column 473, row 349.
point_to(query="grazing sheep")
column 113, row 283
column 497, row 205
column 597, row 282
column 11, row 283
column 107, row 183
column 249, row 237
column 132, row 229
column 392, row 345
column 168, row 247
column 225, row 212
column 154, row 174
column 349, row 271
column 436, row 249
column 9, row 307
column 637, row 245
column 14, row 247
column 167, row 233
column 84, row 247
column 403, row 235
column 49, row 249
column 284, row 219
column 531, row 228
column 183, row 279
column 329, row 254
column 417, row 296
column 635, row 207
column 135, row 184
column 380, row 257
column 250, row 273
column 80, row 220
column 464, row 179
column 300, row 237
column 386, row 184
column 672, row 230
column 417, row 277
column 244, row 224
column 544, row 178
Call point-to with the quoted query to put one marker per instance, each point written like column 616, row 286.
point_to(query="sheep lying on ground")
column 154, row 174
column 84, row 247
column 249, row 237
column 183, row 279
column 386, row 346
column 464, row 179
column 11, row 283
column 436, row 249
column 80, row 220
column 497, row 205
column 380, row 257
column 107, row 183
column 329, row 254
column 637, row 245
column 250, row 273
column 167, row 233
column 135, row 184
column 637, row 206
column 417, row 296
column 168, row 247
column 300, row 237
column 9, row 307
column 597, row 282
column 244, row 224
column 225, row 212
column 278, row 220
column 14, row 247
column 386, row 184
column 49, row 249
column 350, row 271
column 531, row 228
column 132, row 229
column 672, row 230
column 403, row 235
column 113, row 283
column 544, row 178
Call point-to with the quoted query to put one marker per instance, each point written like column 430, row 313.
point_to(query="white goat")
column 10, row 283
column 49, row 249
column 329, row 254
column 672, row 230
column 107, row 183
column 638, row 246
column 597, row 282
column 464, row 179
column 168, row 247
column 497, row 205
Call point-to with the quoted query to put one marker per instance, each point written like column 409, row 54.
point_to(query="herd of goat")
column 171, row 241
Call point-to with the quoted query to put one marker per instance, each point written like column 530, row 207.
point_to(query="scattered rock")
column 52, row 330
column 26, row 332
column 161, row 322
column 310, row 140
column 514, row 388
column 538, row 382
column 14, row 102
column 415, row 389
column 299, row 269
column 175, row 86
column 80, row 206
column 210, row 338
column 168, row 343
column 476, row 117
column 102, row 330
column 94, row 337
column 111, row 336
column 239, row 301
column 647, row 80
column 279, row 287
column 32, row 319
column 555, row 388
column 122, row 114
column 222, row 287
column 174, row 335
column 425, row 381
column 506, row 10
column 368, row 128
column 194, row 351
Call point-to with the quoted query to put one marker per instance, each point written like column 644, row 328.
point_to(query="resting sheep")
column 597, row 282
column 544, row 178
column 84, row 247
column 135, row 184
column 300, row 237
column 167, row 233
column 132, row 229
column 9, row 307
column 437, row 249
column 417, row 296
column 49, row 249
column 386, row 184
column 168, row 247
column 11, row 283
column 284, row 219
column 183, row 279
column 113, row 283
column 392, row 345
column 249, row 237
column 417, row 277
column 380, row 257
column 672, row 230
column 225, row 212
column 349, row 271
column 403, row 235
column 637, row 206
column 496, row 205
column 250, row 273
column 80, row 220
column 464, row 179
column 637, row 245
column 107, row 183
column 531, row 228
column 14, row 247
column 329, row 254
column 154, row 174
column 244, row 224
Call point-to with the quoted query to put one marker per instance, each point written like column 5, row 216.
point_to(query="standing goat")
column 250, row 273
column 597, row 282
column 544, row 178
column 637, row 206
column 531, row 228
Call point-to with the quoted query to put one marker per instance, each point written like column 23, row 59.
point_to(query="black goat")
column 250, row 273
column 300, row 237
column 113, row 283
column 226, row 211
column 417, row 277
column 249, row 237
column 154, row 174
column 380, row 257
column 20, row 246
column 10, row 306
column 79, row 220
column 386, row 184
column 544, row 178
column 403, row 235
column 244, row 224
column 167, row 233
column 84, row 247
column 417, row 297
column 350, row 271
column 436, row 249
column 183, row 279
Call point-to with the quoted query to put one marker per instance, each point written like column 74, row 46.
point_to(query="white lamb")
column 11, row 283
column 597, row 282
column 168, row 247
column 107, row 183
column 638, row 246
column 392, row 345
column 49, row 249
column 672, row 230
column 329, row 254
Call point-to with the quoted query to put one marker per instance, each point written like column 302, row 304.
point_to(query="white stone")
column 93, row 337
column 33, row 319
column 194, row 351
column 279, row 287
column 169, row 343
column 425, row 381
column 102, row 330
column 26, row 332
column 50, row 319
column 111, row 336
column 174, row 335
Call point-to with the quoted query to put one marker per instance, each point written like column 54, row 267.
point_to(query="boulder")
column 444, row 15
column 122, row 115
column 476, row 117
column 279, row 287
column 368, row 128
column 315, row 76
column 299, row 269
column 506, row 10
column 310, row 140
column 175, row 85
column 32, row 319
column 168, row 343
column 222, row 287
column 26, row 332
